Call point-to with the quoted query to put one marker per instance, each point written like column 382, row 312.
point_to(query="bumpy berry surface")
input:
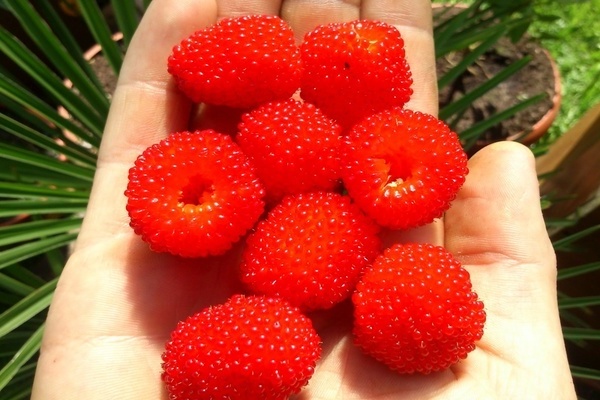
column 310, row 250
column 193, row 194
column 353, row 69
column 250, row 347
column 415, row 310
column 403, row 168
column 294, row 147
column 238, row 62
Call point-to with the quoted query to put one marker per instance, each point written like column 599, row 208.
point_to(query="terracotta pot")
column 541, row 127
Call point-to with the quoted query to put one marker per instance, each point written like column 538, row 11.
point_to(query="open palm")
column 117, row 302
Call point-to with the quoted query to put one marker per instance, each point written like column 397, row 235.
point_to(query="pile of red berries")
column 325, row 157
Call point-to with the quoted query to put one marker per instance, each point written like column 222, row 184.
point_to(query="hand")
column 117, row 302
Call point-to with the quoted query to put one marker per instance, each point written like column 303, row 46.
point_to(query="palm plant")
column 47, row 159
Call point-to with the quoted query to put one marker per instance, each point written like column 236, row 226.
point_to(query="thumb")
column 496, row 229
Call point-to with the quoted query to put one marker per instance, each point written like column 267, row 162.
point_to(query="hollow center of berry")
column 399, row 170
column 197, row 191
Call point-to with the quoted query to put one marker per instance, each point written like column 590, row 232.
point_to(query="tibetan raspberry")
column 310, row 250
column 415, row 310
column 403, row 168
column 354, row 69
column 239, row 62
column 251, row 347
column 193, row 194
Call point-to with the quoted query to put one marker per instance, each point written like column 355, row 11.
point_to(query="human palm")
column 117, row 301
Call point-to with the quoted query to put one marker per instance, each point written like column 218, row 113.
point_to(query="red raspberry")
column 310, row 250
column 354, row 69
column 294, row 147
column 415, row 310
column 250, row 347
column 403, row 168
column 238, row 62
column 193, row 194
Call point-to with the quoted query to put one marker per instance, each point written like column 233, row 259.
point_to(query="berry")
column 238, row 62
column 310, row 250
column 354, row 69
column 250, row 347
column 402, row 167
column 294, row 147
column 415, row 310
column 193, row 194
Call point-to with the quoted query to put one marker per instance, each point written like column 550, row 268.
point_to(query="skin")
column 117, row 302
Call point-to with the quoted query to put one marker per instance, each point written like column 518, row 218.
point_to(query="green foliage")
column 570, row 33
column 47, row 164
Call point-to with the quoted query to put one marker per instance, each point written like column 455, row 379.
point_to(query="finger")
column 145, row 107
column 497, row 216
column 305, row 15
column 414, row 21
column 497, row 231
column 236, row 8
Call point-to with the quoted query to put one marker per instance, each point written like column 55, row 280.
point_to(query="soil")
column 535, row 78
column 105, row 73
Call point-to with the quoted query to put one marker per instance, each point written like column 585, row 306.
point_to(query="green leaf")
column 11, row 208
column 46, row 162
column 127, row 18
column 469, row 59
column 558, row 222
column 24, row 275
column 570, row 333
column 519, row 29
column 15, row 339
column 468, row 99
column 96, row 22
column 578, row 302
column 27, row 308
column 21, row 357
column 475, row 31
column 56, row 259
column 20, row 386
column 64, row 35
column 23, row 114
column 29, row 191
column 14, row 286
column 564, row 243
column 585, row 373
column 18, row 172
column 41, row 34
column 48, row 143
column 49, row 81
column 571, row 272
column 446, row 30
column 27, row 231
column 470, row 135
column 25, row 98
column 25, row 251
